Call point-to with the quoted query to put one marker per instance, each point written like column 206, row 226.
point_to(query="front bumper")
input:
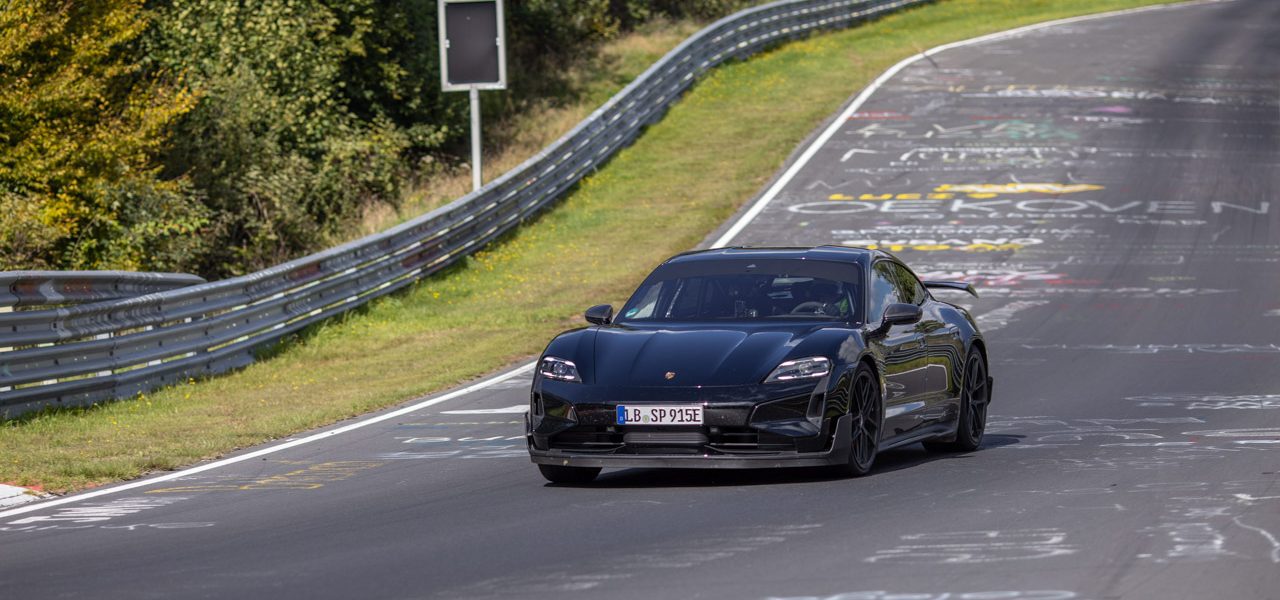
column 836, row 453
column 744, row 427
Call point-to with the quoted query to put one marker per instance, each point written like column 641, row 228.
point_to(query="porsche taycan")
column 762, row 357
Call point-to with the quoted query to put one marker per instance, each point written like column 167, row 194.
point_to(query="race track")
column 1109, row 184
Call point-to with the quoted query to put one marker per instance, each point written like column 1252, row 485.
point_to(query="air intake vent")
column 665, row 438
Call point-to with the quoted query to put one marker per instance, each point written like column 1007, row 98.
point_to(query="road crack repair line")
column 648, row 562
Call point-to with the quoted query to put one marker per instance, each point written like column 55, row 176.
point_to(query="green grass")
column 662, row 195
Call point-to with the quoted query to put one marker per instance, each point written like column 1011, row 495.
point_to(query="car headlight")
column 800, row 368
column 558, row 368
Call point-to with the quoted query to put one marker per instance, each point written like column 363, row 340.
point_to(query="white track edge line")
column 861, row 99
column 270, row 449
column 720, row 243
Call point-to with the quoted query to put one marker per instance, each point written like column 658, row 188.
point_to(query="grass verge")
column 662, row 195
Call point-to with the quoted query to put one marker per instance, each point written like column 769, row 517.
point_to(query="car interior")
column 743, row 296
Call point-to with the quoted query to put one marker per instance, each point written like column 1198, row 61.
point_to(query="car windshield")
column 745, row 290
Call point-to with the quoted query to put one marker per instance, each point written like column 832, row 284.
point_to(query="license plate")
column 659, row 415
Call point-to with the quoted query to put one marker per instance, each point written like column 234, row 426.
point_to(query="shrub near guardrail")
column 219, row 137
column 79, row 130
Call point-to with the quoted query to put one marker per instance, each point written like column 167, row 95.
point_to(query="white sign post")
column 472, row 58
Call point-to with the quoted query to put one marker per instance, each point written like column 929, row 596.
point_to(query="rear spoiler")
column 952, row 285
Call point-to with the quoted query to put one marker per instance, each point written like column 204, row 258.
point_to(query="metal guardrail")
column 79, row 355
column 45, row 288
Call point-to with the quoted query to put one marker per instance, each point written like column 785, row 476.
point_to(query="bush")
column 272, row 149
column 26, row 241
column 220, row 136
column 80, row 123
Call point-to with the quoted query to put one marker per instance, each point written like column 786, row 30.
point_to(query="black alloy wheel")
column 867, row 411
column 559, row 474
column 975, row 396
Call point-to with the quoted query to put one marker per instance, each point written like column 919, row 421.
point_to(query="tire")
column 975, row 396
column 867, row 409
column 559, row 474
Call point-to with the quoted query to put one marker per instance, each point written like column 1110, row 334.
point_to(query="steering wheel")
column 811, row 308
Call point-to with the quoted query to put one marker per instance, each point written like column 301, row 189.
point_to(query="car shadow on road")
column 893, row 460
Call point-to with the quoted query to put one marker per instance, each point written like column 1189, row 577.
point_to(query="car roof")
column 846, row 254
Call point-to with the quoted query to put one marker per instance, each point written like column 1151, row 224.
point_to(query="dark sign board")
column 471, row 47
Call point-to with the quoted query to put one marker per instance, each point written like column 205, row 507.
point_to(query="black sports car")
column 761, row 357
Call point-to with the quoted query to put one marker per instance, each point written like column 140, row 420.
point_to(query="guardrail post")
column 104, row 336
column 155, row 362
column 5, row 309
column 47, row 381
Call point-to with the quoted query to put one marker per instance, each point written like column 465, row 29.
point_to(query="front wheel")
column 975, row 395
column 866, row 410
column 559, row 474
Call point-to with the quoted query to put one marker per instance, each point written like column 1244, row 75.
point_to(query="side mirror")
column 602, row 314
column 901, row 314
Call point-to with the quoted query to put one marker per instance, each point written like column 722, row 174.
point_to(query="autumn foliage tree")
column 80, row 126
column 222, row 136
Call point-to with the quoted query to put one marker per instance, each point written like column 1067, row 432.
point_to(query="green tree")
column 223, row 136
column 272, row 148
column 80, row 124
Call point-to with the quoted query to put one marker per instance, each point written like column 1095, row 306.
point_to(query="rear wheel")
column 975, row 395
column 559, row 474
column 866, row 410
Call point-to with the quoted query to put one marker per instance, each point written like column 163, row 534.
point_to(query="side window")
column 909, row 287
column 648, row 303
column 883, row 291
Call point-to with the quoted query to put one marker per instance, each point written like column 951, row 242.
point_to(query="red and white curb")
column 12, row 495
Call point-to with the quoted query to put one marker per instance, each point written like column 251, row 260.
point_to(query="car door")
column 903, row 350
column 940, row 343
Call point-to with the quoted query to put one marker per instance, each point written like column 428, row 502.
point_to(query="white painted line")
column 850, row 153
column 271, row 449
column 1275, row 544
column 519, row 408
column 857, row 103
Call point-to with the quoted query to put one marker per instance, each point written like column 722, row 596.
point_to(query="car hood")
column 693, row 356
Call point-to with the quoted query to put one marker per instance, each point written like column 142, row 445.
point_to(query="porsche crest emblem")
column 670, row 375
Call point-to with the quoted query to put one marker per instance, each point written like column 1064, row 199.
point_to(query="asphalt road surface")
column 1110, row 184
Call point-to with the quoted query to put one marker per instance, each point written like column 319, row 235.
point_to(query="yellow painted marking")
column 1018, row 188
column 944, row 247
column 903, row 196
column 310, row 478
